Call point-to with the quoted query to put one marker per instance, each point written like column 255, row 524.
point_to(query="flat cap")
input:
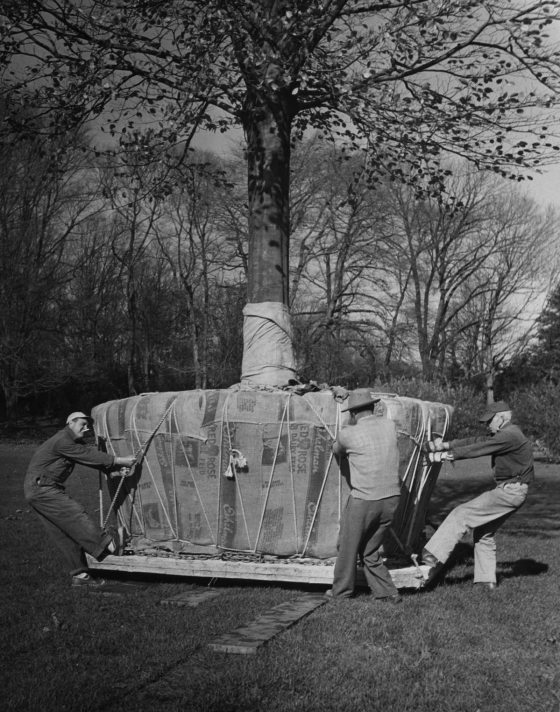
column 492, row 409
column 75, row 416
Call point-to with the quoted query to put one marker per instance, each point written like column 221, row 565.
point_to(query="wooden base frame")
column 304, row 571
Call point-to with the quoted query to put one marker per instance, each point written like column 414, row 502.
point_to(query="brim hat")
column 492, row 409
column 359, row 400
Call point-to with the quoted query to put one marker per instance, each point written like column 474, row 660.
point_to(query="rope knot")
column 237, row 463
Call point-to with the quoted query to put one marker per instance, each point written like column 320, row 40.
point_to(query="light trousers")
column 483, row 515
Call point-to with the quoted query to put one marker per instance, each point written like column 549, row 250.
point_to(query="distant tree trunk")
column 490, row 387
column 392, row 331
column 194, row 336
column 11, row 399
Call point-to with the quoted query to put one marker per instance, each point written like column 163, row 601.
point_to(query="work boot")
column 330, row 595
column 435, row 567
column 488, row 585
column 393, row 600
column 86, row 581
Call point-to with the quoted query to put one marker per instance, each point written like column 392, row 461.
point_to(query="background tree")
column 95, row 314
column 540, row 360
column 339, row 295
column 200, row 238
column 43, row 200
column 412, row 80
column 135, row 211
column 546, row 352
column 474, row 262
column 498, row 319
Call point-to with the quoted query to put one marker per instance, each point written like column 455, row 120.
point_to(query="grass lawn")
column 453, row 649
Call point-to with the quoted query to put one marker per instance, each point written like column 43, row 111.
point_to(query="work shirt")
column 510, row 450
column 53, row 462
column 373, row 457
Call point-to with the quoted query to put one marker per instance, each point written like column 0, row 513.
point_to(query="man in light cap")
column 512, row 463
column 370, row 445
column 65, row 520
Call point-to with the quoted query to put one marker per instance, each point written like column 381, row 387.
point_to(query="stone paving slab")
column 112, row 588
column 247, row 639
column 191, row 598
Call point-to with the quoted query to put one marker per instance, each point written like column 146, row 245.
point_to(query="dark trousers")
column 68, row 525
column 362, row 530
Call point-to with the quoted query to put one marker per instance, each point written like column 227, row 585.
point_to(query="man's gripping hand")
column 440, row 456
column 125, row 461
column 125, row 464
column 437, row 445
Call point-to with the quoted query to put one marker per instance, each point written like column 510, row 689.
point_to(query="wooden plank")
column 247, row 639
column 406, row 577
column 217, row 568
column 192, row 598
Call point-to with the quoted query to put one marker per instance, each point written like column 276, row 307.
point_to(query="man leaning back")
column 64, row 519
column 511, row 455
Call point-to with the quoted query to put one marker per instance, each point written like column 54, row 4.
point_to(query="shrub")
column 537, row 410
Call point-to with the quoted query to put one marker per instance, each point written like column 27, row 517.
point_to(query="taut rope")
column 138, row 456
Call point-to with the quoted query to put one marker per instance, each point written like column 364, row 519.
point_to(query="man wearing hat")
column 512, row 463
column 65, row 519
column 370, row 446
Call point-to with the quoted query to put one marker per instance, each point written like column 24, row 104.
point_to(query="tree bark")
column 267, row 131
column 268, row 356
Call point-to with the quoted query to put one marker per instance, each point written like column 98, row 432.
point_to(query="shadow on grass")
column 463, row 557
column 523, row 567
column 506, row 570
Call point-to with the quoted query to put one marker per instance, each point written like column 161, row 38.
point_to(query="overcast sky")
column 545, row 188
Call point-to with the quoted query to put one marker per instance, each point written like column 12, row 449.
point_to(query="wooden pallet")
column 278, row 570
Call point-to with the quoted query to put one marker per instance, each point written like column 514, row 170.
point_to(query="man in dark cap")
column 64, row 519
column 512, row 463
column 370, row 445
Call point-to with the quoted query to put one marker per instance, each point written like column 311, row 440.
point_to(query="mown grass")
column 454, row 649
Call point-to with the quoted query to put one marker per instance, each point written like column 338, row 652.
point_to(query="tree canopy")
column 406, row 81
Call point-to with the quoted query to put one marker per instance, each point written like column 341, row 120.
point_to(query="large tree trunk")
column 268, row 159
column 267, row 336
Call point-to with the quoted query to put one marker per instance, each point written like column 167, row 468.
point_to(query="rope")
column 263, row 512
column 338, row 426
column 318, row 502
column 285, row 420
column 320, row 419
column 292, row 483
column 142, row 450
column 138, row 456
column 112, row 503
column 193, row 478
column 224, row 410
column 414, row 492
